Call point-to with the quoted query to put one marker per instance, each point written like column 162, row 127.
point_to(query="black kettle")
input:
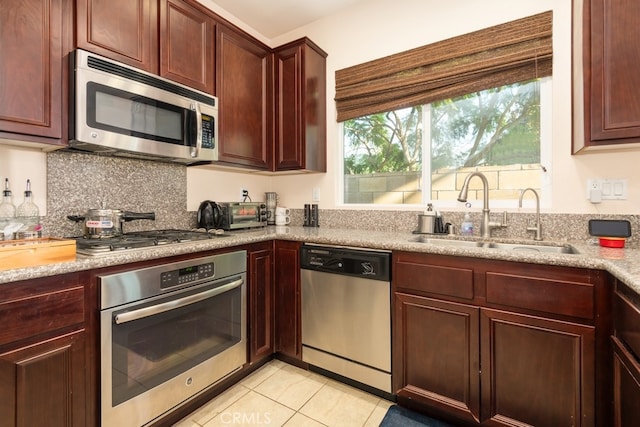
column 209, row 215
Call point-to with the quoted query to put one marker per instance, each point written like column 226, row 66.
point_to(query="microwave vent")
column 130, row 74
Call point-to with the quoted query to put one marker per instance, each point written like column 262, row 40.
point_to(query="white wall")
column 20, row 164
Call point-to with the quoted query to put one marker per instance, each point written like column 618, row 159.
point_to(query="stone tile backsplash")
column 77, row 182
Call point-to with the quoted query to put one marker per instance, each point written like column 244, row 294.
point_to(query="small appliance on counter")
column 231, row 215
column 311, row 215
column 611, row 233
column 271, row 200
column 431, row 222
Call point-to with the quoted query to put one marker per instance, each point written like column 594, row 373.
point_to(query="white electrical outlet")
column 315, row 194
column 593, row 185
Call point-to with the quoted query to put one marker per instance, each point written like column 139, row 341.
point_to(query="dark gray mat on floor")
column 397, row 416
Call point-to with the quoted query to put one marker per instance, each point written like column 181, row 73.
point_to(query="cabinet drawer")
column 540, row 294
column 428, row 277
column 28, row 316
column 627, row 322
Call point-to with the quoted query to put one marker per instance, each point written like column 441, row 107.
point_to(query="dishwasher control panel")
column 373, row 265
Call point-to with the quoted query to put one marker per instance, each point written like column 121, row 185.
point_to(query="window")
column 417, row 122
column 423, row 153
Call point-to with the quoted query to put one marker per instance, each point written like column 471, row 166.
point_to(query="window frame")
column 546, row 131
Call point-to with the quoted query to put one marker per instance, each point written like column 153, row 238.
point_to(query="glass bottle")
column 7, row 211
column 28, row 214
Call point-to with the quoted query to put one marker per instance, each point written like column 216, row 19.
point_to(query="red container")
column 612, row 242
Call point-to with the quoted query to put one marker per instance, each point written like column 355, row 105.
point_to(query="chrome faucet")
column 487, row 225
column 537, row 227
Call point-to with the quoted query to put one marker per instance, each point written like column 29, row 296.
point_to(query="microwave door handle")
column 195, row 150
column 172, row 305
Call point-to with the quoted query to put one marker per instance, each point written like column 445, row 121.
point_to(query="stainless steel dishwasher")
column 346, row 313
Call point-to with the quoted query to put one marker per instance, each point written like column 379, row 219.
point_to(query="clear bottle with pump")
column 28, row 214
column 466, row 228
column 7, row 212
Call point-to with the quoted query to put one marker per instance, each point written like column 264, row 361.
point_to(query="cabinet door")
column 626, row 385
column 123, row 30
column 300, row 137
column 612, row 81
column 435, row 355
column 31, row 68
column 536, row 371
column 287, row 312
column 243, row 82
column 186, row 45
column 44, row 384
column 260, row 302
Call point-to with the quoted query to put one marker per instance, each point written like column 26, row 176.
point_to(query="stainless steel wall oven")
column 169, row 332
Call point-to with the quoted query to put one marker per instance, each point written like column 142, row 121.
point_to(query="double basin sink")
column 522, row 247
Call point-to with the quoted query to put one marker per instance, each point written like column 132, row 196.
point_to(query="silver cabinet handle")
column 172, row 305
column 195, row 151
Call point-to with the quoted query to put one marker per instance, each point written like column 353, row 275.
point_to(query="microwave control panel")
column 208, row 126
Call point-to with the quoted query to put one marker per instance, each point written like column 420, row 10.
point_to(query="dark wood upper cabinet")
column 170, row 38
column 244, row 85
column 31, row 70
column 611, row 60
column 123, row 30
column 300, row 137
column 187, row 45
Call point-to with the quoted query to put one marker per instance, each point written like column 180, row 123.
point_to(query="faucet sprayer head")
column 462, row 197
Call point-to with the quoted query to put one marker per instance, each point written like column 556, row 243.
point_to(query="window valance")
column 507, row 53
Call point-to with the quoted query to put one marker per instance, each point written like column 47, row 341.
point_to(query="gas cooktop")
column 142, row 239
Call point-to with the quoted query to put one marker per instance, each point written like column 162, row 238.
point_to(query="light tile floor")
column 279, row 394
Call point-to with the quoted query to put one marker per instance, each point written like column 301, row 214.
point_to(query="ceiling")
column 273, row 18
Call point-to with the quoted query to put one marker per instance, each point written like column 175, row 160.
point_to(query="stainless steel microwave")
column 119, row 110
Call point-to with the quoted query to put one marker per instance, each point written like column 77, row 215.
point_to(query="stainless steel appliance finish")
column 119, row 110
column 141, row 240
column 169, row 332
column 238, row 215
column 346, row 313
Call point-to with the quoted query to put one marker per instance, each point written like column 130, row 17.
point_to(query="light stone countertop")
column 624, row 264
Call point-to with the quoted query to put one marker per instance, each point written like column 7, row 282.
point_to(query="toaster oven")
column 237, row 215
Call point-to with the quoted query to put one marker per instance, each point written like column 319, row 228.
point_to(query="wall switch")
column 315, row 194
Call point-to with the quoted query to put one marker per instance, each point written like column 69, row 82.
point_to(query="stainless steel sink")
column 523, row 247
column 541, row 248
column 448, row 242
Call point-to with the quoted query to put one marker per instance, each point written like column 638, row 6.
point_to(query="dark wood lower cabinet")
column 626, row 356
column 489, row 343
column 436, row 359
column 260, row 302
column 626, row 385
column 45, row 368
column 536, row 371
column 44, row 384
column 287, row 299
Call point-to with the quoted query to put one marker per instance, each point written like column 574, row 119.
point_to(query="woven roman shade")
column 516, row 51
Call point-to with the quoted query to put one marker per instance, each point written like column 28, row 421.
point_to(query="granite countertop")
column 621, row 263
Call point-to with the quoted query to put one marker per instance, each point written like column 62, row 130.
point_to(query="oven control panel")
column 185, row 275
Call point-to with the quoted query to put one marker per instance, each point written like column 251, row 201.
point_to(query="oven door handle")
column 172, row 305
